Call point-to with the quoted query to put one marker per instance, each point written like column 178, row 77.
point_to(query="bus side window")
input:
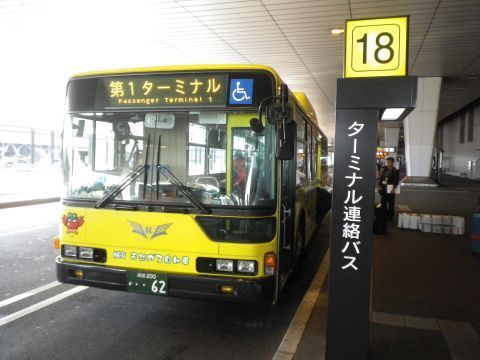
column 207, row 155
column 217, row 157
column 197, row 142
column 314, row 154
column 217, row 151
column 300, row 158
column 308, row 153
column 83, row 138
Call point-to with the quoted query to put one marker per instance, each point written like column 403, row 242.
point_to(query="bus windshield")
column 212, row 156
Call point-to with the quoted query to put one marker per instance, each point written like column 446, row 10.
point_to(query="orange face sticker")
column 72, row 222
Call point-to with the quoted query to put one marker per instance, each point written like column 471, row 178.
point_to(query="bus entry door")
column 287, row 221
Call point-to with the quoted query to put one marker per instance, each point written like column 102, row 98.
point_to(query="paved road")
column 103, row 324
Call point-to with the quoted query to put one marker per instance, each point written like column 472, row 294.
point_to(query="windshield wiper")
column 145, row 176
column 157, row 180
column 183, row 189
column 127, row 180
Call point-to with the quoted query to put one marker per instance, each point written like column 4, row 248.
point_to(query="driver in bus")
column 239, row 167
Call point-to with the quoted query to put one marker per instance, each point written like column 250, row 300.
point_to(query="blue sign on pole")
column 241, row 92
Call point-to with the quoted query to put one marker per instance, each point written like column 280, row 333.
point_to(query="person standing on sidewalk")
column 387, row 185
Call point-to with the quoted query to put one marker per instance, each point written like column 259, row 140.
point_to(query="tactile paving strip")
column 402, row 208
column 462, row 341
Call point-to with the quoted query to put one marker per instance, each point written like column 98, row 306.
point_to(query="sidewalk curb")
column 19, row 203
column 289, row 345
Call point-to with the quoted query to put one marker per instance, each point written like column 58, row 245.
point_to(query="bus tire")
column 300, row 242
column 324, row 204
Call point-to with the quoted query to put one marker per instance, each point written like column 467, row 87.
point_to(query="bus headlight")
column 246, row 266
column 230, row 266
column 85, row 253
column 224, row 265
column 70, row 251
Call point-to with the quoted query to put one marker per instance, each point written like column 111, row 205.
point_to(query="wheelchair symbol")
column 239, row 93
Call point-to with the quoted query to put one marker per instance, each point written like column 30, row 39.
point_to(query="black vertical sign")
column 351, row 233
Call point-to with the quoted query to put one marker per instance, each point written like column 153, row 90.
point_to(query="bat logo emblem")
column 148, row 232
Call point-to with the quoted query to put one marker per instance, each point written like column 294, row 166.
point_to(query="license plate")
column 147, row 282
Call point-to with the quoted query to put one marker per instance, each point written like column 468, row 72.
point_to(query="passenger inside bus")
column 240, row 173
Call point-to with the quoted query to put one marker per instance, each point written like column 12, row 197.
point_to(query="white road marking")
column 293, row 336
column 19, row 314
column 28, row 294
column 27, row 229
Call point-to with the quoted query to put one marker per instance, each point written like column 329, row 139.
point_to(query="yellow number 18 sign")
column 376, row 47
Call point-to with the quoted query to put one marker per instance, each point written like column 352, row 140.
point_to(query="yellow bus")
column 188, row 181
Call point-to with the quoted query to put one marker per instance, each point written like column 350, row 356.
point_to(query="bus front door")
column 287, row 222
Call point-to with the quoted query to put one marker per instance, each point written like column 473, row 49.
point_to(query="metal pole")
column 52, row 147
column 32, row 146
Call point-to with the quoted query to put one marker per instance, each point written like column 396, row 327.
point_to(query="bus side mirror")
column 275, row 115
column 285, row 141
column 278, row 114
column 256, row 125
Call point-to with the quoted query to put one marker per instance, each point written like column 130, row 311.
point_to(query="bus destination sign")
column 165, row 90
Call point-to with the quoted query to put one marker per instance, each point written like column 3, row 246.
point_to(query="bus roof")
column 175, row 68
column 306, row 105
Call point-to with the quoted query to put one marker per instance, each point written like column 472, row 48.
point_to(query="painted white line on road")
column 289, row 345
column 28, row 294
column 19, row 314
column 27, row 229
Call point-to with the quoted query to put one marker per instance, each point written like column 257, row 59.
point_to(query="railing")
column 29, row 163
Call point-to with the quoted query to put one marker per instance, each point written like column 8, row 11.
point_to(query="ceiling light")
column 392, row 113
column 337, row 31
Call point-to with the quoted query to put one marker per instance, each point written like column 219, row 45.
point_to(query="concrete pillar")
column 419, row 128
column 391, row 140
column 391, row 137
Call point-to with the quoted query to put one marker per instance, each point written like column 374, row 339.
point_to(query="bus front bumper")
column 193, row 286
